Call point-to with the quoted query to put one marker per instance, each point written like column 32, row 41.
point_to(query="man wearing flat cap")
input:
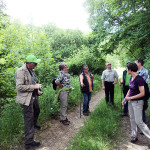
column 27, row 95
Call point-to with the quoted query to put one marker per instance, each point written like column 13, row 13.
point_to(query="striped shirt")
column 144, row 74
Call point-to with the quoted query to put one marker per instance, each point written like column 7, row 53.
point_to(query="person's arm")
column 141, row 94
column 147, row 77
column 121, row 82
column 125, row 97
column 116, row 80
column 92, row 76
column 58, row 80
column 103, row 85
column 103, row 80
column 127, row 93
column 116, row 77
column 58, row 84
column 81, row 81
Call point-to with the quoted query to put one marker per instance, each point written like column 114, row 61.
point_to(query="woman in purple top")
column 135, row 103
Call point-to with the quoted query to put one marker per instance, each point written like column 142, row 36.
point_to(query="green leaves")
column 2, row 61
column 121, row 26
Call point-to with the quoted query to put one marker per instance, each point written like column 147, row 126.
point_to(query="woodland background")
column 120, row 33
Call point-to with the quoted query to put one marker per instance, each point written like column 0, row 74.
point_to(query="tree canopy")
column 121, row 26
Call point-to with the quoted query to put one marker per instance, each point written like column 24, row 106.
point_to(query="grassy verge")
column 11, row 117
column 101, row 130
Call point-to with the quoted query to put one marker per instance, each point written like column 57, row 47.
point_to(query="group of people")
column 28, row 90
column 134, row 79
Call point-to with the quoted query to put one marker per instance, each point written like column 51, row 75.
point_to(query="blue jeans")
column 86, row 101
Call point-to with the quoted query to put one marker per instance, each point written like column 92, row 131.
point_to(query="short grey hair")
column 107, row 63
column 62, row 65
column 84, row 66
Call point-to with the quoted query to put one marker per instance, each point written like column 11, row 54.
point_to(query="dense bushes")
column 48, row 43
column 82, row 57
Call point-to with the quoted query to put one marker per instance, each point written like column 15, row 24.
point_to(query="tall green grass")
column 11, row 125
column 11, row 117
column 101, row 130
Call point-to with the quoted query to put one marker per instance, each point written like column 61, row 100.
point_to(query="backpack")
column 54, row 84
column 147, row 93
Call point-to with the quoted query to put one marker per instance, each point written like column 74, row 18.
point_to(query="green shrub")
column 85, row 57
column 47, row 106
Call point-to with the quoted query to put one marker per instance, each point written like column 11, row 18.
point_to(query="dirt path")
column 125, row 144
column 56, row 136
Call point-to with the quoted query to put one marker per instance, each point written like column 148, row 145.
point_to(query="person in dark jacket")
column 86, row 83
column 145, row 75
column 125, row 81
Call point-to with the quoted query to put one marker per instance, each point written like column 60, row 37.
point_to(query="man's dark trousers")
column 125, row 91
column 109, row 90
column 31, row 114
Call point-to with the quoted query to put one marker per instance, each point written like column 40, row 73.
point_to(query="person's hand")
column 127, row 98
column 37, row 86
column 39, row 93
column 120, row 83
column 124, row 102
column 114, row 82
column 82, row 85
column 60, row 86
column 103, row 87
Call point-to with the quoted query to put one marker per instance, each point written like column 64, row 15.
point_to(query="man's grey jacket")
column 24, row 86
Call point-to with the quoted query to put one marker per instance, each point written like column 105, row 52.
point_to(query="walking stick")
column 80, row 104
column 121, row 99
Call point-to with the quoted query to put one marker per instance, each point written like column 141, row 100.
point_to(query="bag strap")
column 136, row 81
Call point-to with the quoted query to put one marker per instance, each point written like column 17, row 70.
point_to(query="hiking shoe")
column 88, row 112
column 32, row 145
column 37, row 127
column 85, row 113
column 134, row 139
column 65, row 122
column 124, row 114
column 141, row 133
